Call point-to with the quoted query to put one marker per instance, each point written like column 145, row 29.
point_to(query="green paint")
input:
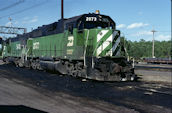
column 65, row 45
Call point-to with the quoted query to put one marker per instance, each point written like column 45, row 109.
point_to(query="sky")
column 134, row 18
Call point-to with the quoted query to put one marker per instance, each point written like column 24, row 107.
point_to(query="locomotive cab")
column 97, row 42
column 100, row 35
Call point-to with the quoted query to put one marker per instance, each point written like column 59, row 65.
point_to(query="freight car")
column 86, row 46
column 158, row 60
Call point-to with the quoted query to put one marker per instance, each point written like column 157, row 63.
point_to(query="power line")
column 12, row 5
column 20, row 11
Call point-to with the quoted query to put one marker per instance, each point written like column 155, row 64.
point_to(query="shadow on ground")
column 18, row 109
column 118, row 93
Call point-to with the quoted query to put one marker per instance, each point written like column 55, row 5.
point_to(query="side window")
column 52, row 27
column 0, row 40
column 70, row 28
column 81, row 25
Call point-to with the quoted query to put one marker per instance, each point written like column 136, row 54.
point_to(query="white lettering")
column 18, row 46
column 91, row 19
column 70, row 41
column 36, row 45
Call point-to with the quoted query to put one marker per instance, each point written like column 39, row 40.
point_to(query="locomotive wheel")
column 69, row 68
column 16, row 63
column 33, row 65
column 74, row 73
column 75, row 70
column 20, row 64
column 6, row 60
column 38, row 66
column 81, row 72
column 28, row 64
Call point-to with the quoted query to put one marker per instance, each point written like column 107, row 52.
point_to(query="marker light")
column 97, row 12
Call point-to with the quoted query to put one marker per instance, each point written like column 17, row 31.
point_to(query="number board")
column 94, row 19
column 91, row 19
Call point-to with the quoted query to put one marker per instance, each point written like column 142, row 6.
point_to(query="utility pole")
column 171, row 33
column 62, row 12
column 153, row 44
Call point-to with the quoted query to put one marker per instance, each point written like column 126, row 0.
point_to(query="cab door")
column 29, row 46
column 69, row 42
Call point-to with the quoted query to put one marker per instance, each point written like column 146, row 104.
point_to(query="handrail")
column 86, row 48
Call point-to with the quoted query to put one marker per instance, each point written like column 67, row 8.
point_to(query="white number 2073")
column 91, row 19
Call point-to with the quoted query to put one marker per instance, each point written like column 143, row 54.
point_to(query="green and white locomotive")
column 86, row 46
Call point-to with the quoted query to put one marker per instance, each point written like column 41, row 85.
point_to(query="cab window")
column 70, row 28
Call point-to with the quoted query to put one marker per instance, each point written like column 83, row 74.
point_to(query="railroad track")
column 154, row 67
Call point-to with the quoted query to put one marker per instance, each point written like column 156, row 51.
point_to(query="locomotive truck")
column 86, row 46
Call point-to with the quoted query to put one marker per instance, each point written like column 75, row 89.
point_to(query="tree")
column 142, row 49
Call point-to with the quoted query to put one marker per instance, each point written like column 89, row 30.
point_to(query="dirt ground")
column 155, row 76
column 38, row 91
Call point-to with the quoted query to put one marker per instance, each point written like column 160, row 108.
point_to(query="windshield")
column 100, row 25
column 92, row 23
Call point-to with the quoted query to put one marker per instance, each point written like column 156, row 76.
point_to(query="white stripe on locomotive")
column 116, row 44
column 101, row 34
column 106, row 43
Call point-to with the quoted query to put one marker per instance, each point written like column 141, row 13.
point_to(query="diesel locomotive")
column 86, row 46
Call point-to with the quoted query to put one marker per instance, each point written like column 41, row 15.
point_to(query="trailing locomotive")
column 86, row 46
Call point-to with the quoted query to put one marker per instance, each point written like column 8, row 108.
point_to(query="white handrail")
column 86, row 48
